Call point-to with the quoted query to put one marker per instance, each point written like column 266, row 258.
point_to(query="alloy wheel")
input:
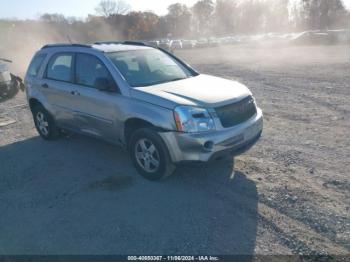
column 42, row 123
column 147, row 155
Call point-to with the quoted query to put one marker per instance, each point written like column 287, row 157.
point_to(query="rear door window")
column 60, row 67
column 35, row 65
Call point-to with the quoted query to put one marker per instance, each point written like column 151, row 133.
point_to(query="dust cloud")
column 21, row 39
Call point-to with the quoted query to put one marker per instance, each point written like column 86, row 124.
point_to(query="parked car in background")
column 341, row 36
column 153, row 43
column 213, row 42
column 315, row 37
column 203, row 42
column 176, row 44
column 229, row 40
column 10, row 84
column 188, row 44
column 165, row 44
column 142, row 98
column 5, row 76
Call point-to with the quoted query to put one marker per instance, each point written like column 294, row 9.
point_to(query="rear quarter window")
column 36, row 64
column 60, row 67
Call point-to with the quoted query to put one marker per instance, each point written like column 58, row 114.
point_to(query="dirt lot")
column 289, row 194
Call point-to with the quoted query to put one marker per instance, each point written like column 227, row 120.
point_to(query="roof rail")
column 121, row 43
column 134, row 43
column 109, row 43
column 65, row 45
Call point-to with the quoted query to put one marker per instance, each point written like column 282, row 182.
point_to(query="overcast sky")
column 79, row 8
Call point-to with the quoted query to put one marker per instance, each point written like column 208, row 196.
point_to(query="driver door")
column 96, row 111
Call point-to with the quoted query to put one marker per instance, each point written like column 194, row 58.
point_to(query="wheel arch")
column 135, row 123
column 33, row 102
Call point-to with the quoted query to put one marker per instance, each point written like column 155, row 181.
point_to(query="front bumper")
column 205, row 146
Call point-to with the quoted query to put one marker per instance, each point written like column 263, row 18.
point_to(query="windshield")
column 148, row 67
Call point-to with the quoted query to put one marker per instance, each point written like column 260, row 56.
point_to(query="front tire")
column 150, row 155
column 45, row 124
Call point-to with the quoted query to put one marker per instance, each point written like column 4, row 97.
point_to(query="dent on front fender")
column 160, row 117
column 172, row 144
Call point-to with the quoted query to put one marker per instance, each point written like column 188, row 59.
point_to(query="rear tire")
column 150, row 155
column 45, row 124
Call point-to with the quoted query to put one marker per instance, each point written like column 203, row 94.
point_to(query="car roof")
column 106, row 47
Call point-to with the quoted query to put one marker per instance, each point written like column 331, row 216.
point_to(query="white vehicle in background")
column 165, row 44
column 176, row 44
column 154, row 43
column 213, row 42
column 203, row 42
column 229, row 40
column 188, row 44
column 5, row 76
column 9, row 83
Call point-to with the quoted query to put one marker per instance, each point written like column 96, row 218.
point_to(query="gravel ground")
column 287, row 195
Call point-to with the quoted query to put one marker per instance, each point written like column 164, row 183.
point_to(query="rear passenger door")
column 97, row 111
column 56, row 86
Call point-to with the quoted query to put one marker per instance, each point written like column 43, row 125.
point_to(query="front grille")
column 237, row 113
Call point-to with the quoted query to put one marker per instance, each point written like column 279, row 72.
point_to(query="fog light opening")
column 209, row 145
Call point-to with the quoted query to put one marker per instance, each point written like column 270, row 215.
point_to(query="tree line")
column 225, row 17
column 114, row 19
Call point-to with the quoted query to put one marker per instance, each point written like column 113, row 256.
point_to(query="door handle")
column 75, row 93
column 45, row 85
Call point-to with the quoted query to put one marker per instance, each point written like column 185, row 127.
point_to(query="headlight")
column 193, row 119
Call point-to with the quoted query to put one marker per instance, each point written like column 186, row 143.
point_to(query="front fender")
column 156, row 115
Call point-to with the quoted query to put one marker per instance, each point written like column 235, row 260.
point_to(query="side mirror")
column 104, row 84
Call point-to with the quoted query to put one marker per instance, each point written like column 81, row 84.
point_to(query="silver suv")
column 142, row 98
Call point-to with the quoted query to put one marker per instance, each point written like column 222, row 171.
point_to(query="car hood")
column 202, row 90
